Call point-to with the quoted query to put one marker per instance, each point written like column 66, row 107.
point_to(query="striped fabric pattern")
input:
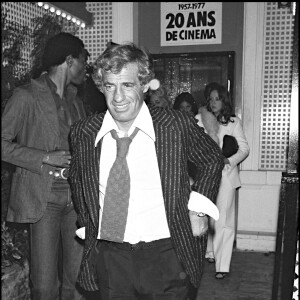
column 178, row 139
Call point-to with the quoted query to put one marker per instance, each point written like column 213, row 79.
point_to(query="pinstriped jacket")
column 178, row 139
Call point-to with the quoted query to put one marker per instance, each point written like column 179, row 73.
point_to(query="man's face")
column 78, row 69
column 124, row 95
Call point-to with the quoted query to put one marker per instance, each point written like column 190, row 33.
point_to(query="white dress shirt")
column 146, row 220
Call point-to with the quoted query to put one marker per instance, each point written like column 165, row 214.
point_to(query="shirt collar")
column 143, row 121
column 50, row 83
column 70, row 88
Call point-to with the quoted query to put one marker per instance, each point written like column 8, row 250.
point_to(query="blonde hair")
column 160, row 92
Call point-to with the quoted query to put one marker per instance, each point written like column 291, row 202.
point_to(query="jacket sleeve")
column 16, row 116
column 74, row 178
column 205, row 153
column 243, row 151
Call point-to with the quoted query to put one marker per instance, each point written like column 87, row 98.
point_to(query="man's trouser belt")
column 60, row 173
column 139, row 245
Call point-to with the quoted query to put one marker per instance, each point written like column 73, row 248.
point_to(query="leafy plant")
column 13, row 67
column 14, row 245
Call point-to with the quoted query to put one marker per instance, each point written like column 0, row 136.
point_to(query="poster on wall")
column 191, row 23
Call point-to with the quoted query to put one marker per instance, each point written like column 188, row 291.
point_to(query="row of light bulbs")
column 59, row 12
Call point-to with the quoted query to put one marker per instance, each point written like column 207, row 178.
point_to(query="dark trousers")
column 146, row 271
column 55, row 229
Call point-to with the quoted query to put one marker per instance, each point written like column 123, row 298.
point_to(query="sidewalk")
column 250, row 278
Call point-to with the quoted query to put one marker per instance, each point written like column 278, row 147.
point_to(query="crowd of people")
column 131, row 198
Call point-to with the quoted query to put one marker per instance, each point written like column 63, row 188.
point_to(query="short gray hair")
column 116, row 57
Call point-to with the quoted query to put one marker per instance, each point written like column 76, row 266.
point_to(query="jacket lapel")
column 79, row 108
column 46, row 103
column 90, row 172
column 77, row 102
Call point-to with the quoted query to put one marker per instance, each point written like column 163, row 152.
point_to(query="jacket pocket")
column 27, row 198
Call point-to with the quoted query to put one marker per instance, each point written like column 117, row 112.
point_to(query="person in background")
column 35, row 131
column 204, row 94
column 185, row 102
column 159, row 97
column 154, row 246
column 210, row 86
column 220, row 242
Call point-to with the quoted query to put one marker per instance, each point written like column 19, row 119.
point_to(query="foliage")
column 14, row 244
column 13, row 67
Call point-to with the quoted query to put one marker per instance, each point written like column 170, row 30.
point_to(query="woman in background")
column 218, row 120
column 185, row 102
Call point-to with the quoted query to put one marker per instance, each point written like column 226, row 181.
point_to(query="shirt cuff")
column 81, row 233
column 200, row 203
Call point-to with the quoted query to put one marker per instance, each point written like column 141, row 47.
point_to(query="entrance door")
column 191, row 72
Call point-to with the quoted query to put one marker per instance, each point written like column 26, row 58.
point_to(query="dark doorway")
column 191, row 72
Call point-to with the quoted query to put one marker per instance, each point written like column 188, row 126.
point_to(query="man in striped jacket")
column 161, row 253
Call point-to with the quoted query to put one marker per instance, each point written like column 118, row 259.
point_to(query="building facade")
column 97, row 36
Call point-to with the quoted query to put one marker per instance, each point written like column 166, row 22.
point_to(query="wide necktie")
column 116, row 199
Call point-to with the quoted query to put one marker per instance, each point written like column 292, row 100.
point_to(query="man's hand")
column 57, row 158
column 199, row 224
